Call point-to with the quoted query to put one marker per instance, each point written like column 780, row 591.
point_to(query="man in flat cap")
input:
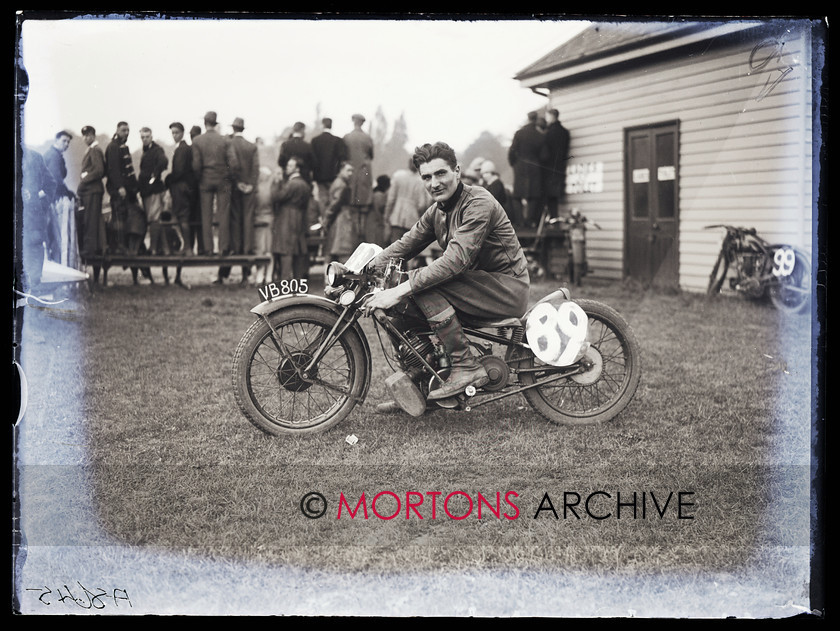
column 91, row 191
column 214, row 164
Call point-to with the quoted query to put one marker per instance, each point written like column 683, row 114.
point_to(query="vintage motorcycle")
column 305, row 362
column 759, row 269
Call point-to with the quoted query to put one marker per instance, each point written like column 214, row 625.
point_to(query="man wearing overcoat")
column 91, row 191
column 360, row 154
column 526, row 155
column 181, row 184
column 290, row 199
column 554, row 176
column 330, row 151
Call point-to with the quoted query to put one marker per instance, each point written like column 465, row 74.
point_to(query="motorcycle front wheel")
column 792, row 293
column 267, row 382
column 606, row 386
column 718, row 274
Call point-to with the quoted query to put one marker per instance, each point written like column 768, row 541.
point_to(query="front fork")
column 344, row 321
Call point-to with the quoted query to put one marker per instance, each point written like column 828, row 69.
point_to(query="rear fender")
column 265, row 309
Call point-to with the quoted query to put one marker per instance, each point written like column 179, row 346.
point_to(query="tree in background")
column 392, row 155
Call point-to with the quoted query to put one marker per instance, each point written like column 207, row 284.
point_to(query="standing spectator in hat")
column 330, row 151
column 153, row 163
column 214, row 165
column 180, row 183
column 128, row 220
column 472, row 174
column 526, row 155
column 492, row 182
column 360, row 155
column 289, row 244
column 554, row 176
column 242, row 198
column 341, row 218
column 91, row 191
column 296, row 146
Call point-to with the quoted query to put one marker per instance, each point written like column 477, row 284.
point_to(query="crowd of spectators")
column 215, row 199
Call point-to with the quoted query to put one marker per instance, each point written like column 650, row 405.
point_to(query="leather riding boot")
column 465, row 369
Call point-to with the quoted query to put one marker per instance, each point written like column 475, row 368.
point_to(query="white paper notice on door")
column 666, row 173
column 640, row 176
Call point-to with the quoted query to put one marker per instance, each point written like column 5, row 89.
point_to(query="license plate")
column 283, row 288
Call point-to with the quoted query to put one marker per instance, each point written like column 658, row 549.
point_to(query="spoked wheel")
column 270, row 386
column 792, row 293
column 611, row 373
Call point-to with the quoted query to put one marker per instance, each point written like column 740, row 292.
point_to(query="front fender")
column 293, row 300
column 265, row 309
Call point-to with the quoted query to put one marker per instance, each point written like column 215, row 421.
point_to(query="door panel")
column 652, row 209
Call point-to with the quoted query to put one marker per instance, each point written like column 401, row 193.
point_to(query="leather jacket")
column 475, row 234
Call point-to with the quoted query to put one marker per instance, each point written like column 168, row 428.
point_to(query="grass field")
column 722, row 415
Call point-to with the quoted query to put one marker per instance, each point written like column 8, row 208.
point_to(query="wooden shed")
column 679, row 125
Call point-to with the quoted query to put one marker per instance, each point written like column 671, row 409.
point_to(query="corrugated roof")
column 603, row 39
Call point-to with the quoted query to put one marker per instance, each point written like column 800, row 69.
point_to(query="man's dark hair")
column 554, row 112
column 87, row 129
column 121, row 123
column 62, row 133
column 428, row 152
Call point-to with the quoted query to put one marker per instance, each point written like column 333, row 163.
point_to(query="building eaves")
column 605, row 43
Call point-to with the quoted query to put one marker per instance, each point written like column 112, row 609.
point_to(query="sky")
column 451, row 79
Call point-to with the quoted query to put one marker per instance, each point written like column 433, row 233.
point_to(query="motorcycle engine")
column 420, row 343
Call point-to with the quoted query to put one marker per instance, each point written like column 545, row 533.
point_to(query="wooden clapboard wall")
column 744, row 147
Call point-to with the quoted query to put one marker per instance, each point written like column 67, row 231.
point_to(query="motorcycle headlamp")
column 347, row 298
column 334, row 273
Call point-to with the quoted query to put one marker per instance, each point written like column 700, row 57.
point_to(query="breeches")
column 482, row 295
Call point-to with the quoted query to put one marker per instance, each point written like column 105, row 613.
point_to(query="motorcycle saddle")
column 493, row 323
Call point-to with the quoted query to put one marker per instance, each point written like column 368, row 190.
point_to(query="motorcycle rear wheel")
column 591, row 397
column 792, row 294
column 268, row 389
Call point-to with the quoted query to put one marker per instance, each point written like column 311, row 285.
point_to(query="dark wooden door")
column 651, row 250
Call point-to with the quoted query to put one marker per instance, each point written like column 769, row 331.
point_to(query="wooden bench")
column 177, row 261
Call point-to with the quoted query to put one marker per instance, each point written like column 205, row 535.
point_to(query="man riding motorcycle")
column 482, row 273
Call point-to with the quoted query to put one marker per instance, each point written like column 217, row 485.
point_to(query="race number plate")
column 783, row 262
column 557, row 334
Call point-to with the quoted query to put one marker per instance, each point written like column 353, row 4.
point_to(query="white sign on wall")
column 585, row 177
